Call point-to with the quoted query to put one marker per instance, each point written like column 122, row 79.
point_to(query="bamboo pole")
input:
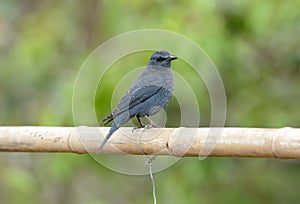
column 283, row 143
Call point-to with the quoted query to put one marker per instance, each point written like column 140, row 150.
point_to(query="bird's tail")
column 113, row 128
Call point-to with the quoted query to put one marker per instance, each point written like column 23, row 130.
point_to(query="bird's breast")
column 154, row 77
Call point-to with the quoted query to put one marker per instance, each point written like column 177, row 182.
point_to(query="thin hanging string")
column 149, row 162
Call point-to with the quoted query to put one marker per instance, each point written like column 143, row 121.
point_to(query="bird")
column 149, row 93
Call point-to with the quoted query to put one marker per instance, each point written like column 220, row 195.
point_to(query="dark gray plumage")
column 150, row 92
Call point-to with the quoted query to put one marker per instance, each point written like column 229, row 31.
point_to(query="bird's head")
column 162, row 58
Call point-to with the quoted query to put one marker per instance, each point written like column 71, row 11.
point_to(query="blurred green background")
column 255, row 45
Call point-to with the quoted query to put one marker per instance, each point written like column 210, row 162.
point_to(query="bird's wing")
column 131, row 99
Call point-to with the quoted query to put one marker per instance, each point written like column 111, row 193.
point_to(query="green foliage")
column 254, row 44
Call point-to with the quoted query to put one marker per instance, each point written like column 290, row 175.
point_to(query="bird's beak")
column 172, row 58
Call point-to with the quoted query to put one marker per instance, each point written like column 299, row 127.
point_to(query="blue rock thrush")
column 150, row 93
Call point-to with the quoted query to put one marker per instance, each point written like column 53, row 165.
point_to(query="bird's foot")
column 136, row 128
column 149, row 126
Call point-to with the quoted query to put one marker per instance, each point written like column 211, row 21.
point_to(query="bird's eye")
column 159, row 59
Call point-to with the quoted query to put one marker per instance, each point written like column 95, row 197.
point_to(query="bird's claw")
column 136, row 128
column 149, row 126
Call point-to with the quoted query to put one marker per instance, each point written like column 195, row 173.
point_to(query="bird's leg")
column 152, row 124
column 140, row 122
